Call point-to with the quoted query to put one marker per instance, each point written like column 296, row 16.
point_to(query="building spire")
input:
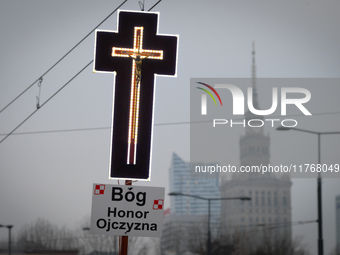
column 255, row 102
column 253, row 68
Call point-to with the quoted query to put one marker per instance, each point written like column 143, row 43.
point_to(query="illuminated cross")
column 137, row 53
column 139, row 45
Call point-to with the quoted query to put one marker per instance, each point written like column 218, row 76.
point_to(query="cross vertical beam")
column 137, row 54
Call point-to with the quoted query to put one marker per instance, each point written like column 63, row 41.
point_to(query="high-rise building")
column 337, row 211
column 182, row 182
column 268, row 214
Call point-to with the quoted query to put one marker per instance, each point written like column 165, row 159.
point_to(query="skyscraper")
column 269, row 209
column 181, row 181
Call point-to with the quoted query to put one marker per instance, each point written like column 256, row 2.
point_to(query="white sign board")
column 127, row 210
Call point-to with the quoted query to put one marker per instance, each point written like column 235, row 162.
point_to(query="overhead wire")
column 56, row 63
column 157, row 124
column 272, row 226
column 93, row 128
column 154, row 5
column 249, row 230
column 10, row 133
column 141, row 5
column 29, row 116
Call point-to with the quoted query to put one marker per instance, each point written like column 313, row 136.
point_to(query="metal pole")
column 208, row 241
column 319, row 194
column 114, row 246
column 124, row 240
column 209, row 199
column 319, row 181
column 9, row 239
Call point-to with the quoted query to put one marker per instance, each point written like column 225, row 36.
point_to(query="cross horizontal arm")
column 124, row 52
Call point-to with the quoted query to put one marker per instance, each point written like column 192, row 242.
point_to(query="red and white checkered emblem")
column 99, row 189
column 158, row 204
